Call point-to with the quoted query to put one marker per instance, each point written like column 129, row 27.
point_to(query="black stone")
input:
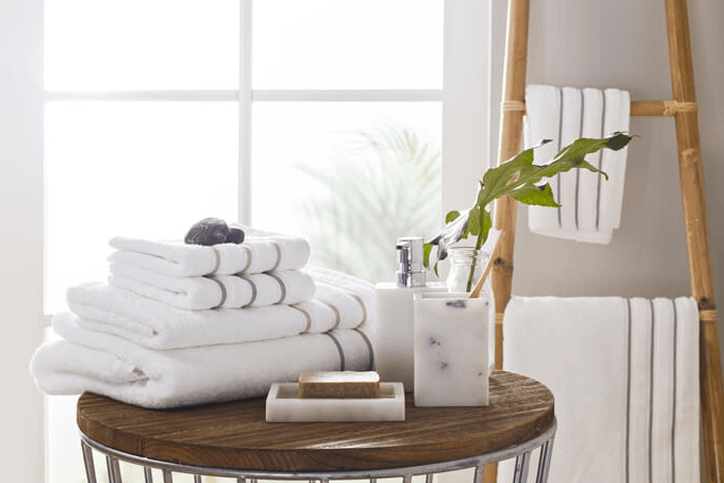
column 207, row 232
column 236, row 235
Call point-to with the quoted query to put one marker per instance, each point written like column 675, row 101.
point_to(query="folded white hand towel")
column 543, row 99
column 225, row 291
column 591, row 205
column 624, row 373
column 344, row 303
column 261, row 251
column 112, row 366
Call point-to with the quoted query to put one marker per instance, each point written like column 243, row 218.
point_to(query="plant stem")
column 469, row 285
column 478, row 245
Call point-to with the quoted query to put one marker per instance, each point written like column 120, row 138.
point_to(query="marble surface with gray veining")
column 451, row 351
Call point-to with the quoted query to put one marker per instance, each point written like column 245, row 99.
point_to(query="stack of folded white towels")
column 181, row 324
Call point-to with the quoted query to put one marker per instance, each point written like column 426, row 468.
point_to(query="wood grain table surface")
column 235, row 435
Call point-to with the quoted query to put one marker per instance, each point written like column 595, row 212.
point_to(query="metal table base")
column 522, row 454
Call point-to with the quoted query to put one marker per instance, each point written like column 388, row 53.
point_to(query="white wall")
column 465, row 103
column 21, row 251
column 619, row 43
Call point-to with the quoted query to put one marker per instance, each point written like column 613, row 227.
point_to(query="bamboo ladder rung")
column 666, row 108
column 708, row 315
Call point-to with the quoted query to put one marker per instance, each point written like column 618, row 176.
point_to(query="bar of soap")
column 339, row 385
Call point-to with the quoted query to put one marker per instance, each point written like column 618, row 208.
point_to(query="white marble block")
column 283, row 404
column 451, row 350
column 394, row 345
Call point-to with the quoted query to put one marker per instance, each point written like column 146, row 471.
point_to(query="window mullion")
column 245, row 101
column 347, row 95
column 139, row 95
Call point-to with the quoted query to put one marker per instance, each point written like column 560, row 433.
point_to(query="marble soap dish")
column 283, row 404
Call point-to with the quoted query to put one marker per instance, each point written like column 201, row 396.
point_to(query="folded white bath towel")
column 341, row 301
column 112, row 366
column 226, row 291
column 261, row 251
column 591, row 205
column 625, row 376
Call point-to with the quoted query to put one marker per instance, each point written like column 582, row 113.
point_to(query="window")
column 349, row 122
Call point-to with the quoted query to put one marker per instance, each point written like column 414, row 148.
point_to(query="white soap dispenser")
column 395, row 324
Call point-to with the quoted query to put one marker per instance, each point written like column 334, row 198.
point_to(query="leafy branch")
column 519, row 178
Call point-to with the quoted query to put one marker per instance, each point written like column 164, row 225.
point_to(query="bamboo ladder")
column 684, row 111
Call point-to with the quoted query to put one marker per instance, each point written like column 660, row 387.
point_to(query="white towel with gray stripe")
column 625, row 377
column 341, row 302
column 261, row 251
column 217, row 291
column 591, row 204
column 86, row 360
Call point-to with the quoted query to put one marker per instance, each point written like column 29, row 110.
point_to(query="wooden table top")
column 235, row 435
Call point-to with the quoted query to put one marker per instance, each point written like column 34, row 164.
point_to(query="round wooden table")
column 233, row 439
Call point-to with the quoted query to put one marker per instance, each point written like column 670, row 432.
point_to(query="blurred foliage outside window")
column 387, row 186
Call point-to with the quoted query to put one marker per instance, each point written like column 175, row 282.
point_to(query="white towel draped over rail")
column 591, row 205
column 625, row 376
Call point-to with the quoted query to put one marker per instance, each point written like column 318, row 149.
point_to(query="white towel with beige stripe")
column 591, row 205
column 103, row 363
column 261, row 251
column 340, row 302
column 216, row 291
column 625, row 377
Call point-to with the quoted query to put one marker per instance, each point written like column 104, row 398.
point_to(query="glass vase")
column 466, row 268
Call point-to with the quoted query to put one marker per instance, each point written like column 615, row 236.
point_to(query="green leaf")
column 520, row 171
column 535, row 195
column 426, row 249
column 451, row 216
column 581, row 147
column 495, row 180
column 572, row 156
column 618, row 141
column 521, row 179
column 474, row 223
column 486, row 224
column 589, row 167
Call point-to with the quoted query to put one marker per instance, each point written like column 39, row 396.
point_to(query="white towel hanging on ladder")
column 591, row 205
column 625, row 376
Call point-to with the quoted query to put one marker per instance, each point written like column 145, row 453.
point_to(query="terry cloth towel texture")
column 341, row 302
column 591, row 205
column 217, row 291
column 625, row 376
column 86, row 360
column 261, row 251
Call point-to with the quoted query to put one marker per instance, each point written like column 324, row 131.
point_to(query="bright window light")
column 146, row 169
column 350, row 44
column 141, row 44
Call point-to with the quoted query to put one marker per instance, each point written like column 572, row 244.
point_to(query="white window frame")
column 468, row 148
column 464, row 98
column 21, row 236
